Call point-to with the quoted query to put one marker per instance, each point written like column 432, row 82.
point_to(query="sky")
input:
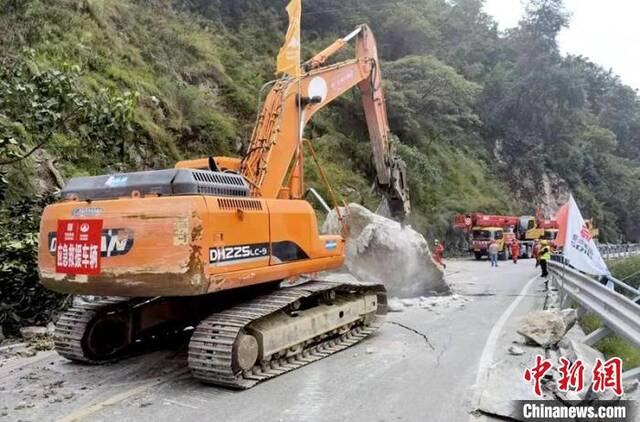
column 605, row 31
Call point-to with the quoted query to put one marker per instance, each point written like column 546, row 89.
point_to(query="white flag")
column 579, row 248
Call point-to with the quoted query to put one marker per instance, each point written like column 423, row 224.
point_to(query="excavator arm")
column 291, row 103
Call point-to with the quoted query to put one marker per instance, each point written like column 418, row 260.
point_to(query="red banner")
column 78, row 246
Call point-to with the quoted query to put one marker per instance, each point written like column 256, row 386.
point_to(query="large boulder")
column 547, row 328
column 503, row 386
column 381, row 250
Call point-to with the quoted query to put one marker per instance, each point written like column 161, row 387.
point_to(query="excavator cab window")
column 212, row 164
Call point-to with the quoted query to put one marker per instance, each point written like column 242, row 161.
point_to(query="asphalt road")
column 422, row 365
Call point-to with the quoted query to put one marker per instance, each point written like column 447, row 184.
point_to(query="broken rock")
column 574, row 350
column 547, row 328
column 29, row 333
column 632, row 390
column 503, row 386
column 570, row 317
column 382, row 250
column 394, row 305
column 516, row 351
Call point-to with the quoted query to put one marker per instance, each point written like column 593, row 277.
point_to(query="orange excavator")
column 222, row 249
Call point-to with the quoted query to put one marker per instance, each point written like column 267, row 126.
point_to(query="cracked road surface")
column 421, row 365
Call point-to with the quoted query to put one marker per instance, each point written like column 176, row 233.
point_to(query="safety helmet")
column 544, row 243
column 436, row 241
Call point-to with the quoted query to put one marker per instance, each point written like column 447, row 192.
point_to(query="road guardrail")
column 618, row 309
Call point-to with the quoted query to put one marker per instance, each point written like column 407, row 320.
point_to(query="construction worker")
column 536, row 252
column 544, row 256
column 515, row 250
column 493, row 253
column 438, row 251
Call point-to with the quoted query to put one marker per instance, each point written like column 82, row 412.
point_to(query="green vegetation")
column 612, row 345
column 22, row 300
column 627, row 269
column 95, row 86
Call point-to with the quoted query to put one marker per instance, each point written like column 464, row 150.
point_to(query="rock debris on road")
column 421, row 364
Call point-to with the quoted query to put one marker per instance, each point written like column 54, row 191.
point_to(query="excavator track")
column 213, row 349
column 72, row 325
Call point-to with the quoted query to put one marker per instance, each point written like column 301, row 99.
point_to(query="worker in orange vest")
column 536, row 252
column 515, row 250
column 438, row 251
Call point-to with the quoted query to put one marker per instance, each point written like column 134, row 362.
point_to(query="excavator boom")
column 292, row 102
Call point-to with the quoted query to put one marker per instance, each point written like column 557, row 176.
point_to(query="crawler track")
column 72, row 325
column 211, row 349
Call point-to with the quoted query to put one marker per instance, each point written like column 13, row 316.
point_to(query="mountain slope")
column 485, row 121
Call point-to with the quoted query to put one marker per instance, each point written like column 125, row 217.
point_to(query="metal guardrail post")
column 596, row 336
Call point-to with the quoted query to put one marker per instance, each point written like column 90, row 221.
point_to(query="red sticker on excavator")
column 78, row 246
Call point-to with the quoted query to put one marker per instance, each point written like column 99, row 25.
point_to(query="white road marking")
column 489, row 348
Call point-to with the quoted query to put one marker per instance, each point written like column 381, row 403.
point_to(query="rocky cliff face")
column 532, row 188
column 555, row 193
column 546, row 190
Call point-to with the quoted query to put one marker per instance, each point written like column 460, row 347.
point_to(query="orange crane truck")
column 227, row 245
column 484, row 228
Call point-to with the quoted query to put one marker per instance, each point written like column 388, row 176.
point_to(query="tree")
column 599, row 141
column 36, row 104
column 429, row 101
